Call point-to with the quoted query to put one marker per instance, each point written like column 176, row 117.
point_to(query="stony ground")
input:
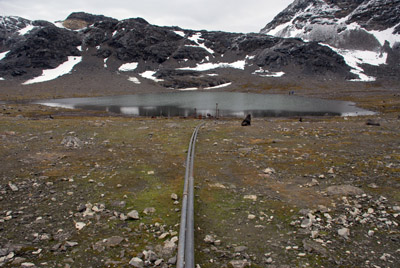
column 87, row 189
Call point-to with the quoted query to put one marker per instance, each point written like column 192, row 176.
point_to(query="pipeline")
column 185, row 258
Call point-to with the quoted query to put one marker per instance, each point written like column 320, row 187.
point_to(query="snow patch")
column 127, row 67
column 2, row 79
column 265, row 73
column 196, row 38
column 220, row 86
column 150, row 75
column 26, row 30
column 134, row 80
column 188, row 89
column 79, row 48
column 50, row 74
column 180, row 33
column 210, row 66
column 59, row 24
column 354, row 58
column 387, row 35
column 105, row 62
column 114, row 33
column 3, row 54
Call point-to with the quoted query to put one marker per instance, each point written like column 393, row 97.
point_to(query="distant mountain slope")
column 134, row 53
column 348, row 26
column 363, row 24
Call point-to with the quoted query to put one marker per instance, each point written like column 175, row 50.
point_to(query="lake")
column 226, row 104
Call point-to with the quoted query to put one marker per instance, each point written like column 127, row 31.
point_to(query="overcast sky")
column 231, row 15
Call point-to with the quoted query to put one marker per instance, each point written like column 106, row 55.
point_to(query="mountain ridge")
column 168, row 58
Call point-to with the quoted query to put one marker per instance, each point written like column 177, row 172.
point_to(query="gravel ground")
column 89, row 189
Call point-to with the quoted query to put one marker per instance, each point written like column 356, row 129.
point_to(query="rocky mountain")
column 363, row 31
column 134, row 53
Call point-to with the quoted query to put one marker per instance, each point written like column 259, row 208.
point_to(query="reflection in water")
column 226, row 104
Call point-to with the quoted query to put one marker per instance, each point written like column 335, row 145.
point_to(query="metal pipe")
column 185, row 258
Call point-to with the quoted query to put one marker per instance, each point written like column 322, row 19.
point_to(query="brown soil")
column 141, row 161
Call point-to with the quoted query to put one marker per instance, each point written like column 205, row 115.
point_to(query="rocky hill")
column 103, row 51
column 365, row 32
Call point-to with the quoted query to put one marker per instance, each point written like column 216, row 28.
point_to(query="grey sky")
column 233, row 15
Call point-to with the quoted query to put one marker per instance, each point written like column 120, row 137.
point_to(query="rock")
column 250, row 197
column 344, row 232
column 80, row 225
column 13, row 187
column 239, row 264
column 251, row 217
column 113, row 241
column 169, row 248
column 268, row 261
column 158, row 262
column 172, row 260
column 209, row 239
column 344, row 190
column 174, row 196
column 306, row 223
column 371, row 233
column 163, row 235
column 72, row 142
column 371, row 122
column 269, row 171
column 150, row 255
column 27, row 264
column 133, row 215
column 240, row 249
column 149, row 211
column 331, row 171
column 312, row 246
column 136, row 262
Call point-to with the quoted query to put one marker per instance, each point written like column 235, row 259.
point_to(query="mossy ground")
column 141, row 161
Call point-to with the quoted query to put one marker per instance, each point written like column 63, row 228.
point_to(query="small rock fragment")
column 149, row 211
column 250, row 197
column 133, row 215
column 136, row 262
column 239, row 263
column 344, row 232
column 209, row 239
column 80, row 225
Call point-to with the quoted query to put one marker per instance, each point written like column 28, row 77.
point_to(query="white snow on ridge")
column 127, row 67
column 354, row 58
column 195, row 38
column 188, row 89
column 180, row 33
column 62, row 69
column 3, row 54
column 150, row 75
column 210, row 66
column 134, row 80
column 387, row 35
column 25, row 30
column 219, row 86
column 265, row 73
column 59, row 24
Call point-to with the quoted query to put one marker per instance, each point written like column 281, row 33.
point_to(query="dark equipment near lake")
column 247, row 121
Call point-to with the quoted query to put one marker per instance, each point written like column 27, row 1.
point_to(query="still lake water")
column 229, row 104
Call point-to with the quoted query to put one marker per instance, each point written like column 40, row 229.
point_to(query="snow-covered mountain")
column 135, row 52
column 362, row 31
column 92, row 51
